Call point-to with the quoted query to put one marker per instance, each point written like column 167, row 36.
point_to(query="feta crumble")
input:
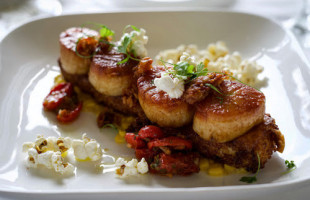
column 131, row 168
column 174, row 87
column 86, row 149
column 138, row 42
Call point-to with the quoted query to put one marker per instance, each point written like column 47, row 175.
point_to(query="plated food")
column 182, row 110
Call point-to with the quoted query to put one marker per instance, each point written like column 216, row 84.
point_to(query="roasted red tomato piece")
column 172, row 141
column 134, row 141
column 175, row 164
column 66, row 116
column 147, row 154
column 57, row 95
column 152, row 132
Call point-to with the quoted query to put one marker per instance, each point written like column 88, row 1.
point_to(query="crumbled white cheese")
column 174, row 87
column 216, row 57
column 138, row 42
column 86, row 149
column 131, row 168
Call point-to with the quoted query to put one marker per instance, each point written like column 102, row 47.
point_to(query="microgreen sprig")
column 126, row 45
column 110, row 126
column 290, row 166
column 251, row 179
column 185, row 69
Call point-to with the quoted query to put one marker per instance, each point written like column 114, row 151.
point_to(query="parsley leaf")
column 251, row 179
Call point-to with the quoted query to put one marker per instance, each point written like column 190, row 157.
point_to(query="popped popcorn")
column 86, row 149
column 48, row 152
column 131, row 168
column 216, row 58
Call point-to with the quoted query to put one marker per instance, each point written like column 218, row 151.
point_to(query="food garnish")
column 251, row 179
column 290, row 166
column 127, row 45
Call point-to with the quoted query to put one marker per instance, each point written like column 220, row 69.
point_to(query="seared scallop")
column 230, row 112
column 158, row 106
column 72, row 61
column 108, row 75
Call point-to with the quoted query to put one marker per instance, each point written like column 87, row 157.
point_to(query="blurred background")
column 292, row 14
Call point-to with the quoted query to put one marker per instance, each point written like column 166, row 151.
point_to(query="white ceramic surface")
column 29, row 64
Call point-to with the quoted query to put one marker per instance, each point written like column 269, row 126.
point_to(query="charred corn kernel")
column 119, row 139
column 204, row 164
column 216, row 171
column 59, row 79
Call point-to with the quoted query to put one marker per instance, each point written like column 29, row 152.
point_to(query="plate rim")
column 273, row 185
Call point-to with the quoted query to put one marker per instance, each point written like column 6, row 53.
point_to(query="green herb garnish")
column 105, row 32
column 290, row 166
column 131, row 26
column 110, row 126
column 214, row 88
column 183, row 70
column 126, row 46
column 251, row 179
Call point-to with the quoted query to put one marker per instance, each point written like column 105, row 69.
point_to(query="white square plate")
column 28, row 58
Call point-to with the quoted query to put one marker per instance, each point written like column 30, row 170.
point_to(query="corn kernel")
column 122, row 133
column 119, row 139
column 58, row 79
column 241, row 171
column 229, row 169
column 204, row 164
column 216, row 171
column 126, row 122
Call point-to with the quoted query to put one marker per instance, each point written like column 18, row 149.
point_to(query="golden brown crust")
column 108, row 76
column 118, row 103
column 223, row 117
column 107, row 64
